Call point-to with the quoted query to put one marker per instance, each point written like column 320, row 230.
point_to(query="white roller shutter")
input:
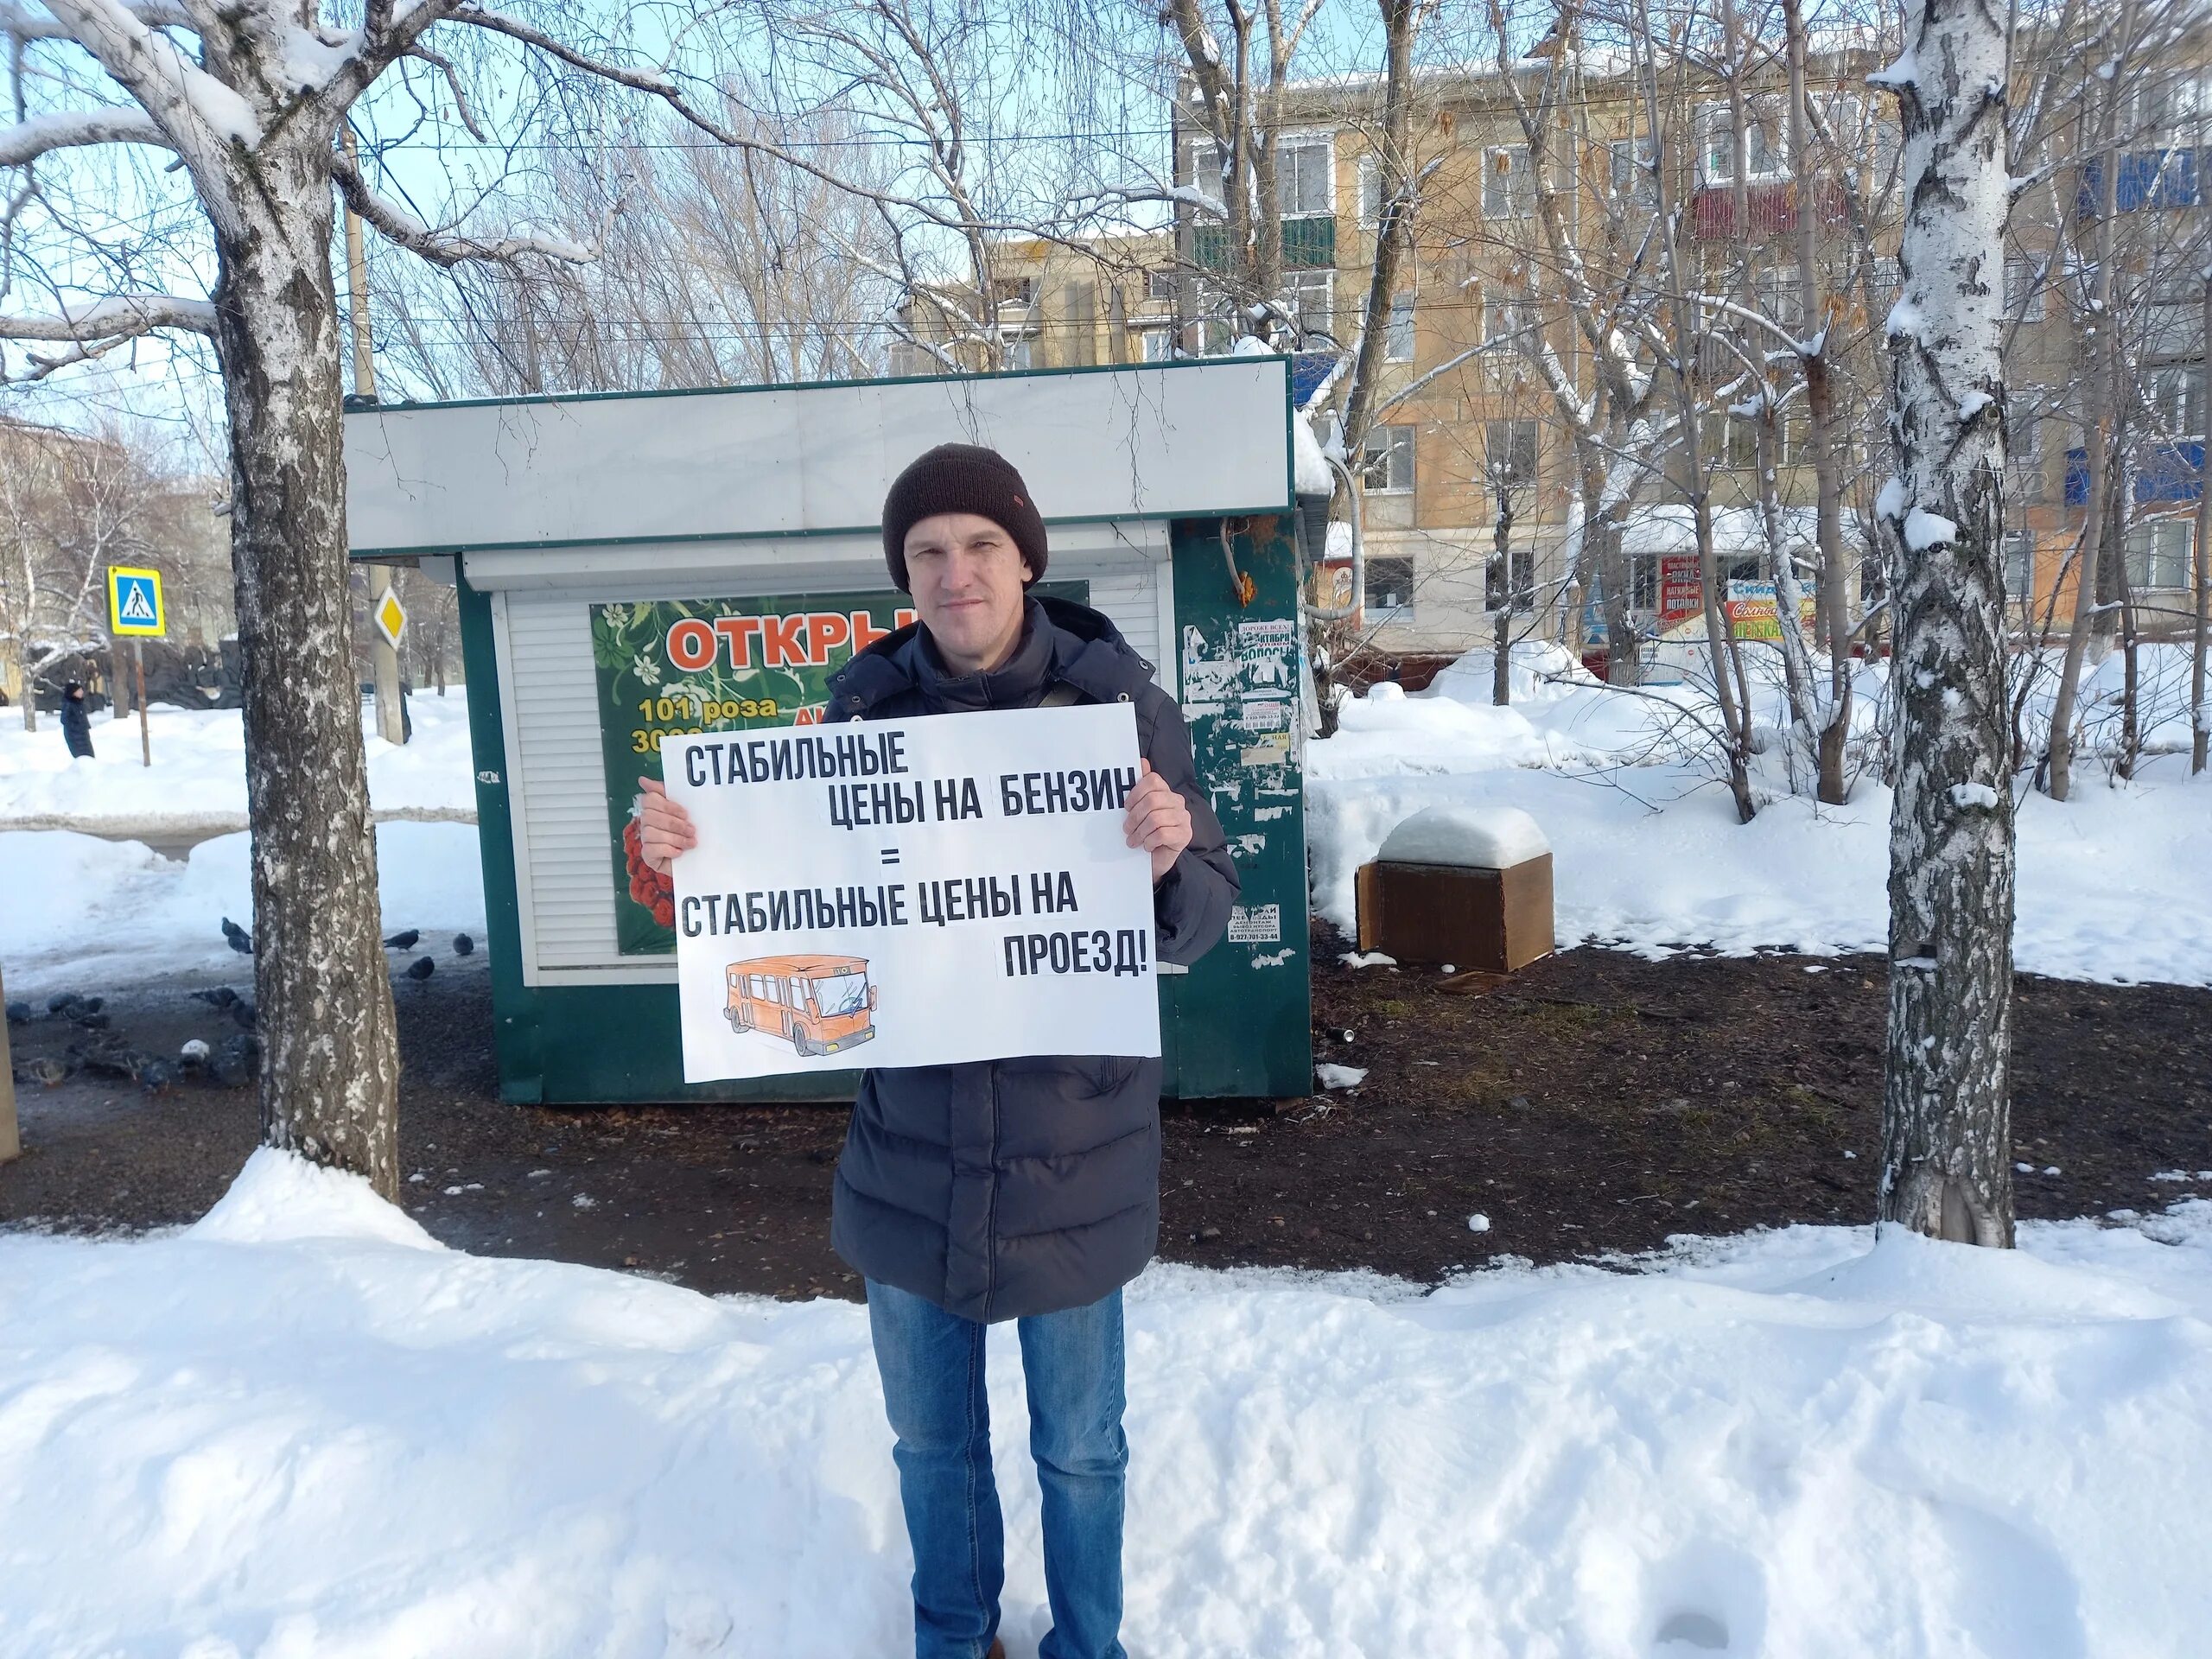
column 556, row 782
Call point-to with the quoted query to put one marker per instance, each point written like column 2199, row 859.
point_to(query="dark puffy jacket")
column 76, row 728
column 1002, row 1188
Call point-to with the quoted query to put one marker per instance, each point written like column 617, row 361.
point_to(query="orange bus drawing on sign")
column 821, row 1004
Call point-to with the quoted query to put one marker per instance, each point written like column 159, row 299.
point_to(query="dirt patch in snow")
column 1595, row 1103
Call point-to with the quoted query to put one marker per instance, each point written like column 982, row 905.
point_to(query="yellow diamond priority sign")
column 391, row 618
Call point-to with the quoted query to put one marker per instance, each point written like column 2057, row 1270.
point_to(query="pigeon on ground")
column 155, row 1076
column 195, row 1051
column 241, row 1058
column 244, row 1016
column 196, row 1059
column 18, row 1013
column 59, row 1006
column 422, row 968
column 108, row 1057
column 222, row 997
column 462, row 944
column 404, row 941
column 241, row 941
column 90, row 1004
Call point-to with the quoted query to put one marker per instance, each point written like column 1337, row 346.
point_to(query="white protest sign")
column 912, row 892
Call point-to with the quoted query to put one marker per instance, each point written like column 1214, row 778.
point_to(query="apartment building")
column 1471, row 429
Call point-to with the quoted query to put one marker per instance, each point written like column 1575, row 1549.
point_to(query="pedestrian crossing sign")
column 134, row 602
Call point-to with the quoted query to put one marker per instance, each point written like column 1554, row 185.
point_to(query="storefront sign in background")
column 698, row 665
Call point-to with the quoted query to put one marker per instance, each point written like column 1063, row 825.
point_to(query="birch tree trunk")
column 1823, row 432
column 2200, row 711
column 2089, row 573
column 330, row 1065
column 1946, row 1104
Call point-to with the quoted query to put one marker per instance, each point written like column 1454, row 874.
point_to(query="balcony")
column 1308, row 243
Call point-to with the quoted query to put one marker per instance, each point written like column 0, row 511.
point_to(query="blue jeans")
column 932, row 1367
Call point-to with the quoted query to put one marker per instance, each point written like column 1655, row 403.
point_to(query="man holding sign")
column 1023, row 1185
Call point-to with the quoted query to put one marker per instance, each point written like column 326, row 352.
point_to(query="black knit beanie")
column 961, row 478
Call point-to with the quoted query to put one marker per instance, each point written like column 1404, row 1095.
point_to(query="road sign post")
column 388, row 620
column 134, row 613
column 11, row 1139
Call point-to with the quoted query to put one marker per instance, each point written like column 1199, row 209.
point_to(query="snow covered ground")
column 302, row 1428
column 197, row 782
column 1647, row 853
column 87, row 915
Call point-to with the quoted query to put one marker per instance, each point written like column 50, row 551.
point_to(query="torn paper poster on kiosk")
column 912, row 892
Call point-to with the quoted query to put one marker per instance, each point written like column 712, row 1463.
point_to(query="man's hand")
column 1159, row 820
column 665, row 828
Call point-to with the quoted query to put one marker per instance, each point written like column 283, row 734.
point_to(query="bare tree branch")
column 43, row 134
column 443, row 248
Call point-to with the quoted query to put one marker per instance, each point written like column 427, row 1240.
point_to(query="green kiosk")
column 633, row 564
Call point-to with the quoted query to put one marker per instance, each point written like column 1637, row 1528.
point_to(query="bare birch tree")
column 1945, row 1120
column 248, row 104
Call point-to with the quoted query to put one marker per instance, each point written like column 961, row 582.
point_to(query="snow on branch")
column 396, row 225
column 1187, row 195
column 96, row 329
column 27, row 141
column 17, row 24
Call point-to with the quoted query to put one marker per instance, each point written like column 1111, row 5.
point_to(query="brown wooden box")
column 1492, row 921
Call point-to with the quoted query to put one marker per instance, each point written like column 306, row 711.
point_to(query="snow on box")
column 1465, row 837
column 299, row 1429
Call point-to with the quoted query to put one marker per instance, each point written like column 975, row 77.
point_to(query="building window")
column 2158, row 554
column 1634, row 178
column 1019, row 352
column 1014, row 290
column 1642, row 582
column 2173, row 101
column 906, row 357
column 1207, row 165
column 1370, row 192
column 1159, row 285
column 1388, row 463
column 1309, row 295
column 1304, row 184
column 1389, row 587
column 1514, row 588
column 2019, row 564
column 1730, row 441
column 2177, row 399
column 2023, row 290
column 1159, row 344
column 1765, row 154
column 1780, row 292
column 2023, row 443
column 1399, row 346
column 1507, row 186
column 1502, row 323
column 2174, row 320
column 1509, row 455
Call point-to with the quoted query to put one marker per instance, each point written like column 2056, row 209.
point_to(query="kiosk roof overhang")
column 1206, row 439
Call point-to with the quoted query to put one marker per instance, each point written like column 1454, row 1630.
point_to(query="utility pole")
column 384, row 657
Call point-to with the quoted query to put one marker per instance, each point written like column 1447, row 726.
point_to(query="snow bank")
column 252, row 1437
column 197, row 782
column 1647, row 853
column 87, row 914
column 1534, row 669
